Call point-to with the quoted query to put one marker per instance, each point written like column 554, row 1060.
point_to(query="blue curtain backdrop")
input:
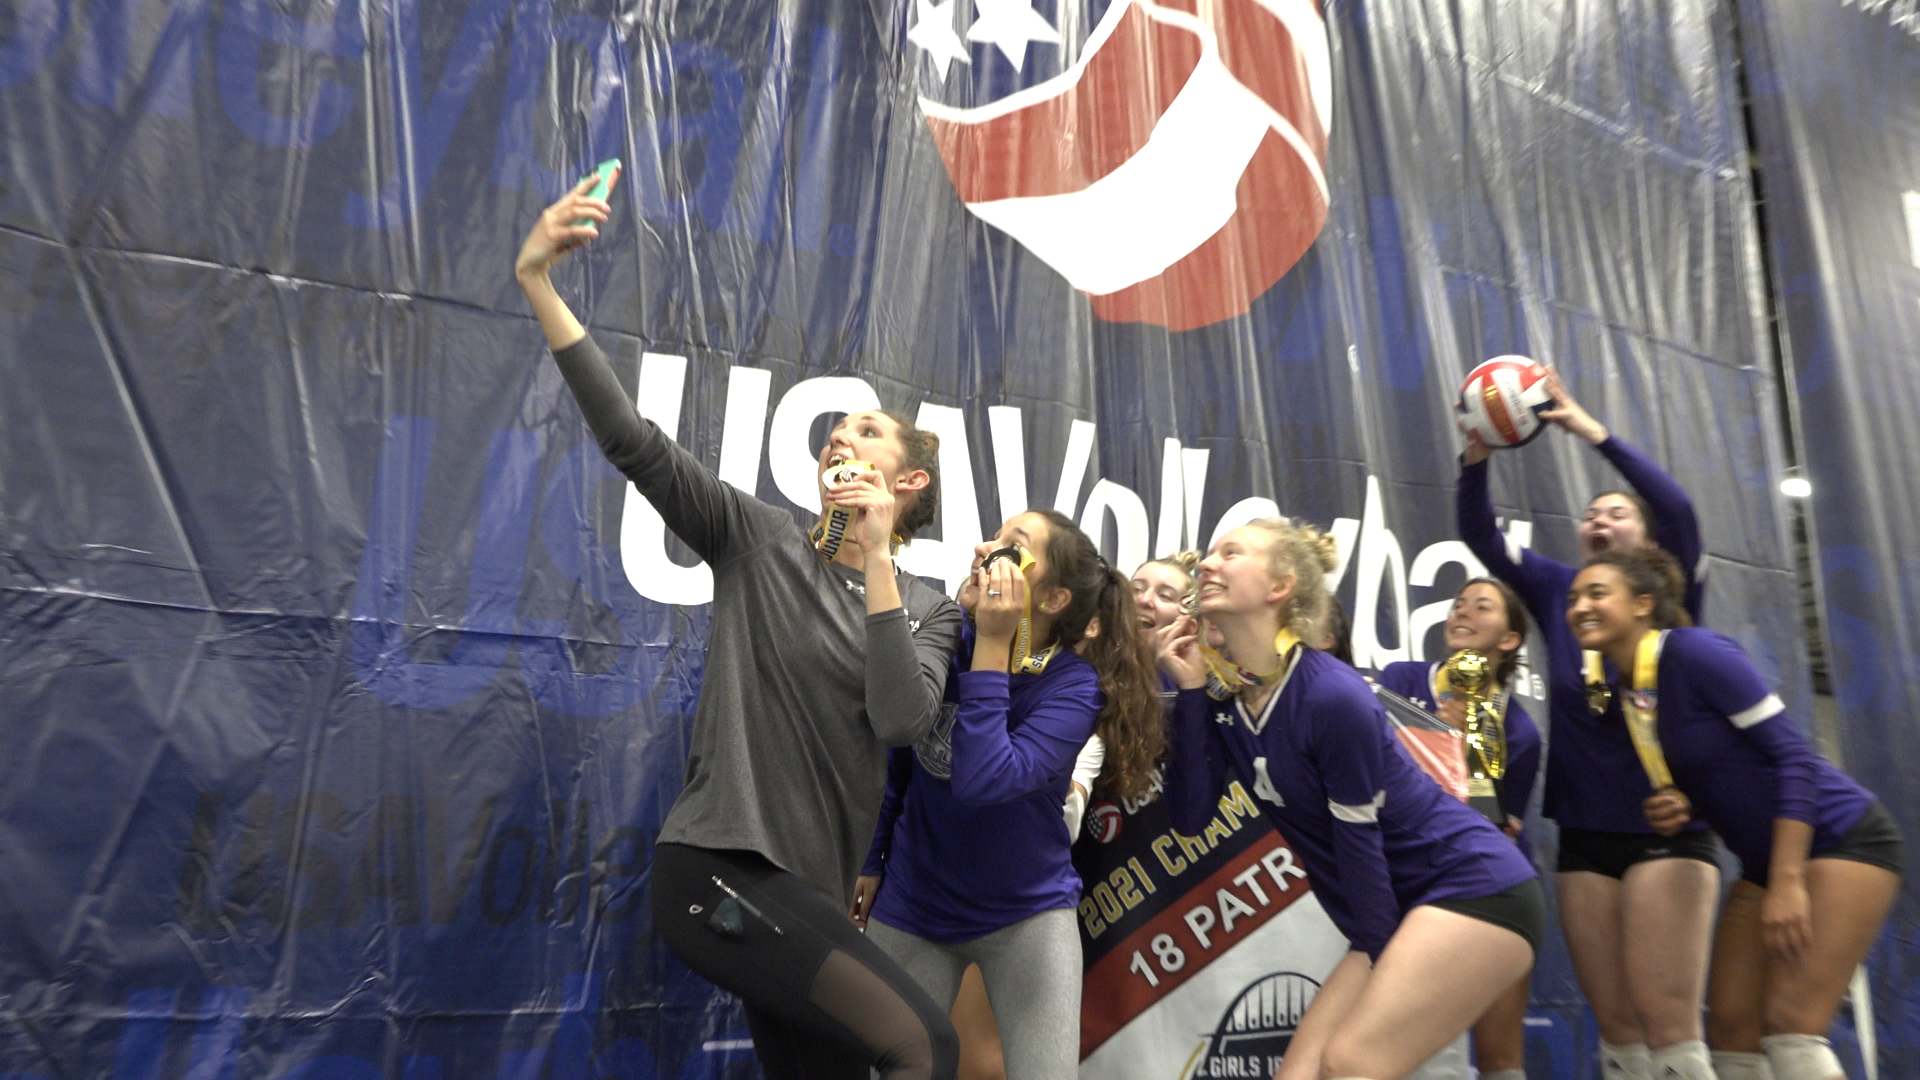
column 1836, row 93
column 344, row 688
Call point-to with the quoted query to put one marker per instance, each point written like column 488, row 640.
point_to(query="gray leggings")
column 1032, row 971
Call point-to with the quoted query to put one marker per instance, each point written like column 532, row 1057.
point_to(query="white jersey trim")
column 1769, row 707
column 1364, row 814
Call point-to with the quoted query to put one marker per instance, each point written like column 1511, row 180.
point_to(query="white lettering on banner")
column 1365, row 543
column 1379, row 550
column 948, row 558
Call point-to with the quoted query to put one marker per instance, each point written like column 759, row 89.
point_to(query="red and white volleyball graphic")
column 1104, row 821
column 1502, row 400
column 1166, row 158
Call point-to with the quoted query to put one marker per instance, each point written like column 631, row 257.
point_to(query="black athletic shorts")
column 1611, row 853
column 1521, row 909
column 1874, row 840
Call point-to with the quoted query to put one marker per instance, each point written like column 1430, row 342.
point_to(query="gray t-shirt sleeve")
column 710, row 515
column 907, row 670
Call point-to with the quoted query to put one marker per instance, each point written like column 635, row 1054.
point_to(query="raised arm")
column 992, row 764
column 1349, row 747
column 907, row 670
column 1675, row 526
column 1196, row 762
column 1538, row 579
column 710, row 515
column 892, row 802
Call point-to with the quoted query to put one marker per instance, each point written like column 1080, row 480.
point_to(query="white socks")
column 1741, row 1065
column 1625, row 1061
column 1683, row 1061
column 1801, row 1057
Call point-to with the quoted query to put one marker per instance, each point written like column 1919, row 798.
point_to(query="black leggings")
column 822, row 1001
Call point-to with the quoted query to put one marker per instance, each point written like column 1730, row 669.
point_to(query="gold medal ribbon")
column 1024, row 661
column 1642, row 708
column 1490, row 739
column 1226, row 678
column 830, row 531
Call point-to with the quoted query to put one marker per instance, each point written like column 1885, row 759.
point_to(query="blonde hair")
column 1308, row 555
column 1187, row 562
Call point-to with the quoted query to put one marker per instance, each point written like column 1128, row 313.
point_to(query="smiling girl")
column 970, row 862
column 1443, row 913
column 814, row 669
column 1820, row 857
column 1488, row 618
column 1636, row 907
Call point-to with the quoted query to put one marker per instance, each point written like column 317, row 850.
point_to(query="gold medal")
column 1024, row 662
column 1599, row 693
column 830, row 531
column 1226, row 678
column 1642, row 708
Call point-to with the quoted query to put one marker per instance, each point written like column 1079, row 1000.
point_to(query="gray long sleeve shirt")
column 804, row 691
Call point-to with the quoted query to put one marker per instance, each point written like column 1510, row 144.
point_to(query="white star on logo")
column 1010, row 24
column 933, row 32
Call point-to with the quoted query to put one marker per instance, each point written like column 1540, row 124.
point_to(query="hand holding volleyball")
column 1505, row 401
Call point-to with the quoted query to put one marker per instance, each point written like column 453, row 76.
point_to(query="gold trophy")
column 1470, row 674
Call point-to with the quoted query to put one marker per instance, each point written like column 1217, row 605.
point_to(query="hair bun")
column 1326, row 549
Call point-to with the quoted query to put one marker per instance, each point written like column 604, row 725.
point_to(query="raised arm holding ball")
column 1636, row 907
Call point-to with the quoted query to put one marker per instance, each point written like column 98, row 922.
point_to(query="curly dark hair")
column 1650, row 571
column 1132, row 723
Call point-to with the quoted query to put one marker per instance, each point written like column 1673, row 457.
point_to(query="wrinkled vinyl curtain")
column 1836, row 91
column 344, row 686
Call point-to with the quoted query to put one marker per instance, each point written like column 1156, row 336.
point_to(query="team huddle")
column 865, row 745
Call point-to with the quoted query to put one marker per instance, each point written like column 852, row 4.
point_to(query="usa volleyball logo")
column 1166, row 158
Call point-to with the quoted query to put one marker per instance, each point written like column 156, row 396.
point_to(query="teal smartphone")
column 602, row 176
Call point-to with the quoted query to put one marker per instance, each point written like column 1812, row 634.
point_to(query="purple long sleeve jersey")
column 1738, row 756
column 1413, row 680
column 971, row 837
column 1594, row 778
column 1378, row 836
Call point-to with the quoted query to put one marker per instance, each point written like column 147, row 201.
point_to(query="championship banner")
column 346, row 686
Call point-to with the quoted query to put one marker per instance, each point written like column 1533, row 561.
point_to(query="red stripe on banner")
column 1280, row 213
column 1496, row 403
column 1065, row 143
column 1259, row 50
column 1133, row 976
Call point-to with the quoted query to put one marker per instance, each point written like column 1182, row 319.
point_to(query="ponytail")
column 1132, row 723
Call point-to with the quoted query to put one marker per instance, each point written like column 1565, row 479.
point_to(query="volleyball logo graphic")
column 1167, row 159
column 1103, row 823
column 1502, row 400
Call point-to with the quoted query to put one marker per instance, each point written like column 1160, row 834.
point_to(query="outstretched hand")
column 555, row 233
column 1567, row 412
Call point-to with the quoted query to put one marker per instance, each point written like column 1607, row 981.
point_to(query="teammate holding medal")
column 970, row 861
column 1488, row 618
column 815, row 667
column 1443, row 913
column 1820, row 857
column 1636, row 907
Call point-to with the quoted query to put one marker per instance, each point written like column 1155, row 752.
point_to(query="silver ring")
column 993, row 592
